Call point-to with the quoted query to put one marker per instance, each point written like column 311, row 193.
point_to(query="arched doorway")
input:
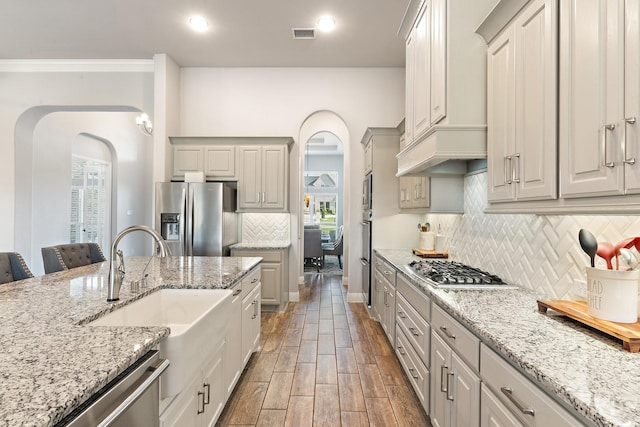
column 323, row 203
column 316, row 123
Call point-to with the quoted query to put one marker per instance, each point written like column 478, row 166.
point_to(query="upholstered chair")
column 313, row 247
column 334, row 248
column 72, row 255
column 13, row 267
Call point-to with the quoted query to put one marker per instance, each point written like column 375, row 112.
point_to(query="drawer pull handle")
column 387, row 273
column 413, row 331
column 417, row 377
column 401, row 315
column 443, row 375
column 450, row 386
column 201, row 393
column 508, row 391
column 207, row 400
column 237, row 292
column 401, row 350
column 255, row 279
column 446, row 332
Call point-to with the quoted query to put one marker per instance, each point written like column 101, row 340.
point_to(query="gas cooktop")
column 455, row 275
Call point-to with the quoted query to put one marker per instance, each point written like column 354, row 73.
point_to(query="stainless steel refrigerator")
column 197, row 218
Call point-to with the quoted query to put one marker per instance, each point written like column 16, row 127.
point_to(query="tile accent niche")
column 265, row 227
column 540, row 252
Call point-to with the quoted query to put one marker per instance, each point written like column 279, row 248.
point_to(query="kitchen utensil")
column 589, row 244
column 629, row 258
column 606, row 251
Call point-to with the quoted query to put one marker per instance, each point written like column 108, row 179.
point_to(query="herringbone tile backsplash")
column 540, row 252
column 265, row 227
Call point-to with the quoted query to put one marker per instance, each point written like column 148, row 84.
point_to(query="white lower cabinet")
column 202, row 401
column 522, row 399
column 250, row 323
column 455, row 388
column 415, row 369
column 233, row 348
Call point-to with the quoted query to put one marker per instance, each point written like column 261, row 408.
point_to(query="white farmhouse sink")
column 198, row 320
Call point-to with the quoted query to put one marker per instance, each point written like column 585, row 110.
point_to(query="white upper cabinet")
column 445, row 115
column 215, row 157
column 599, row 98
column 521, row 114
column 592, row 98
column 262, row 184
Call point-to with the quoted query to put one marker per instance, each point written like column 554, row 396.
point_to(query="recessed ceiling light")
column 198, row 23
column 326, row 23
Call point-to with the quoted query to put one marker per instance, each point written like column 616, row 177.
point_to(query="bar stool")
column 71, row 255
column 13, row 267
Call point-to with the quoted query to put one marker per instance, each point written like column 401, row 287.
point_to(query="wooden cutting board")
column 629, row 333
column 422, row 253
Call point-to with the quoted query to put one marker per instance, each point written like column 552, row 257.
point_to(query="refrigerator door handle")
column 189, row 242
column 183, row 221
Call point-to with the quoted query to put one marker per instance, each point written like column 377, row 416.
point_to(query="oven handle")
column 364, row 261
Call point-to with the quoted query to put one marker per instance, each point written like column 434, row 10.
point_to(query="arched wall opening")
column 324, row 121
column 44, row 137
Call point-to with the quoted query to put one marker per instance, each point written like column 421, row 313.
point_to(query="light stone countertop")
column 582, row 368
column 279, row 244
column 50, row 361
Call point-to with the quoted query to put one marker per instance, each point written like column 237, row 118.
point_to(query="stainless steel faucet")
column 116, row 269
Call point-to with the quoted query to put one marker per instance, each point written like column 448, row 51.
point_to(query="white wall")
column 32, row 90
column 276, row 102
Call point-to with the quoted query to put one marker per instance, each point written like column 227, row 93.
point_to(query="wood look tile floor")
column 323, row 362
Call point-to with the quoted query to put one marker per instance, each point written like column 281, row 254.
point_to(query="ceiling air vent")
column 304, row 33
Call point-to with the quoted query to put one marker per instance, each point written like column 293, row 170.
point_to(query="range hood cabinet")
column 441, row 144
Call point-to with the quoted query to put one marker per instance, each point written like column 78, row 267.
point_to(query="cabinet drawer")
column 414, row 296
column 266, row 255
column 416, row 371
column 386, row 270
column 457, row 336
column 514, row 390
column 251, row 281
column 414, row 326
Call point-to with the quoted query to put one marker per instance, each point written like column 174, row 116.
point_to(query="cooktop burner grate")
column 451, row 274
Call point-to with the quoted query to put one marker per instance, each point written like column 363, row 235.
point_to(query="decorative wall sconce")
column 144, row 124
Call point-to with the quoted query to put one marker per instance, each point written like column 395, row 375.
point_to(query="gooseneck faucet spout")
column 116, row 269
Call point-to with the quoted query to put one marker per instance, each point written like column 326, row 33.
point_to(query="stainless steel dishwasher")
column 131, row 399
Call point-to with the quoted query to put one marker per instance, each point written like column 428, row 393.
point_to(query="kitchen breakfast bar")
column 51, row 360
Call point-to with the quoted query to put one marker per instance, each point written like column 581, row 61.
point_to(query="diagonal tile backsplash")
column 265, row 227
column 540, row 252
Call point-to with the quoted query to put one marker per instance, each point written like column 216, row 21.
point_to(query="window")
column 90, row 201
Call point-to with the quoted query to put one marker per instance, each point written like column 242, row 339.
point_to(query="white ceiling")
column 242, row 33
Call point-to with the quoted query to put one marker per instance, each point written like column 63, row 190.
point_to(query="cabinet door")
column 632, row 97
column 493, row 413
column 187, row 159
column 368, row 157
column 214, row 390
column 250, row 182
column 390, row 315
column 220, row 161
column 465, row 393
column 500, row 116
column 421, row 81
column 378, row 297
column 409, row 77
column 274, row 177
column 406, row 187
column 438, row 61
column 187, row 409
column 591, row 97
column 440, row 365
column 423, row 197
column 250, row 324
column 233, row 347
column 271, row 283
column 535, row 164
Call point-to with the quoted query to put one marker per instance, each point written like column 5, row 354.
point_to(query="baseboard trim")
column 294, row 296
column 355, row 297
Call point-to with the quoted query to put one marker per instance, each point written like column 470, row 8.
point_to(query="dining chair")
column 71, row 255
column 13, row 267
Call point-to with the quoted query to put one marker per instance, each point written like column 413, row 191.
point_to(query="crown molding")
column 77, row 65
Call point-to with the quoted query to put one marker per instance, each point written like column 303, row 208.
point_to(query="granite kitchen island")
column 51, row 361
